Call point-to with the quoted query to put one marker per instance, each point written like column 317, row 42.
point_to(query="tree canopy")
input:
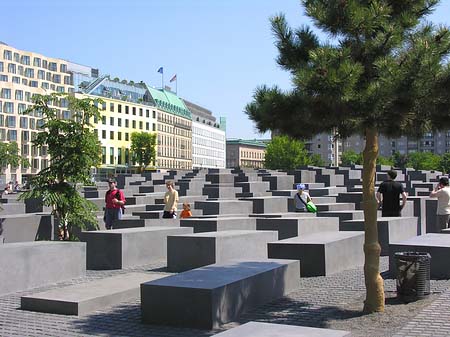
column 285, row 153
column 10, row 155
column 74, row 149
column 384, row 70
column 143, row 147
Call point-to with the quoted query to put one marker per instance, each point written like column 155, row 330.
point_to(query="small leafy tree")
column 285, row 153
column 350, row 157
column 423, row 161
column 73, row 148
column 400, row 160
column 10, row 155
column 385, row 161
column 143, row 147
column 316, row 160
column 444, row 163
column 384, row 71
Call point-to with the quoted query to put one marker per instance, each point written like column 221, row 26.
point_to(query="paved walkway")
column 327, row 302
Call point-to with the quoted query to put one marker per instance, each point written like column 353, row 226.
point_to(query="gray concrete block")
column 392, row 229
column 279, row 182
column 259, row 329
column 213, row 295
column 189, row 251
column 338, row 206
column 269, row 204
column 296, row 226
column 27, row 227
column 27, row 265
column 322, row 253
column 130, row 247
column 438, row 245
column 225, row 207
column 134, row 222
column 201, row 225
column 319, row 192
column 80, row 299
column 343, row 215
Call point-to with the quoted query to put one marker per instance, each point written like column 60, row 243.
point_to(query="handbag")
column 310, row 206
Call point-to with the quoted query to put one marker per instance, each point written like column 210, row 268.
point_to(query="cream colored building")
column 23, row 74
column 245, row 153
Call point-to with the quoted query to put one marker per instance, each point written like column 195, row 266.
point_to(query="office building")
column 245, row 153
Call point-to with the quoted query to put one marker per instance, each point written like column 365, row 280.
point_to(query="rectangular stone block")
column 296, row 226
column 185, row 252
column 80, row 299
column 27, row 265
column 438, row 245
column 213, row 295
column 323, row 253
column 259, row 329
column 390, row 229
column 122, row 248
column 269, row 204
column 201, row 225
column 27, row 227
column 224, row 207
column 133, row 222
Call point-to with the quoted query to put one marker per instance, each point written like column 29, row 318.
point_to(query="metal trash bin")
column 413, row 275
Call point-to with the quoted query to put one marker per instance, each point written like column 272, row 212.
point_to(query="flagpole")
column 176, row 85
column 162, row 80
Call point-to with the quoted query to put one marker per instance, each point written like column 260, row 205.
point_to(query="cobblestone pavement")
column 327, row 302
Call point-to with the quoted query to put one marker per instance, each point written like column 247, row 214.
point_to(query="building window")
column 153, row 127
column 141, row 125
column 119, row 108
column 147, row 113
column 126, row 137
column 134, row 124
column 127, row 124
column 119, row 121
column 127, row 111
column 119, row 135
column 111, row 134
column 111, row 155
column 134, row 111
column 111, row 121
column 119, row 156
column 7, row 55
column 103, row 155
column 6, row 93
column 141, row 111
column 111, row 107
column 104, row 120
column 3, row 78
column 103, row 134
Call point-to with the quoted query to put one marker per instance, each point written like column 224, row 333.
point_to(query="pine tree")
column 383, row 70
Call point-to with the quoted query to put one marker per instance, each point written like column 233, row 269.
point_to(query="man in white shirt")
column 442, row 193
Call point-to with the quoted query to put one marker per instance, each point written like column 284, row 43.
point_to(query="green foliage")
column 10, row 155
column 316, row 160
column 385, row 161
column 400, row 160
column 423, row 161
column 444, row 163
column 284, row 153
column 380, row 70
column 350, row 157
column 143, row 147
column 73, row 148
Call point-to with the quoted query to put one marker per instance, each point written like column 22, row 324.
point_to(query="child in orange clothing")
column 186, row 212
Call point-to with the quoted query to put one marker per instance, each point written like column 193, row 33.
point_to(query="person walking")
column 301, row 198
column 442, row 193
column 170, row 201
column 115, row 201
column 388, row 196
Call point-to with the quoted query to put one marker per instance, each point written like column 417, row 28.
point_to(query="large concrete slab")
column 80, row 299
column 259, row 329
column 27, row 227
column 201, row 225
column 27, row 265
column 135, row 222
column 323, row 253
column 390, row 229
column 225, row 207
column 129, row 247
column 296, row 226
column 189, row 251
column 213, row 295
column 438, row 245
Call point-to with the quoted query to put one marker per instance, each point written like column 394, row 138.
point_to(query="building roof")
column 249, row 142
column 169, row 102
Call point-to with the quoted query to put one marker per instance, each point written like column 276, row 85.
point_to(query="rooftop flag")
column 161, row 70
column 174, row 78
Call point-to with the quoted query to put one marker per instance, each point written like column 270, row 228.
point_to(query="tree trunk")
column 374, row 282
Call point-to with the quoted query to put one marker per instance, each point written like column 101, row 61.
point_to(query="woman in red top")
column 114, row 200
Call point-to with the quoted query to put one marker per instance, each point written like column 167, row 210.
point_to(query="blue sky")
column 220, row 50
